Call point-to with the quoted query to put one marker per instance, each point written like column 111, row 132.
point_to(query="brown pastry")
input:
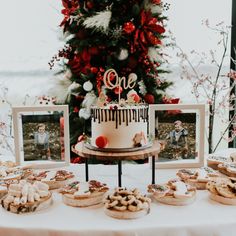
column 223, row 190
column 175, row 192
column 214, row 161
column 83, row 194
column 197, row 178
column 54, row 179
column 126, row 204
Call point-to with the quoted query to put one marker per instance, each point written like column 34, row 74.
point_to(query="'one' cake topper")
column 113, row 81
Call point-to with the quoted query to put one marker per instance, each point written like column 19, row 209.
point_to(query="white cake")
column 122, row 126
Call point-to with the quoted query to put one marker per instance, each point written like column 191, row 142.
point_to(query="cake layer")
column 123, row 127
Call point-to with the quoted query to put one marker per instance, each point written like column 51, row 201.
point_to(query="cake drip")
column 126, row 115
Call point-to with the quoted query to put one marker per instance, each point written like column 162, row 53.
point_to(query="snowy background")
column 30, row 36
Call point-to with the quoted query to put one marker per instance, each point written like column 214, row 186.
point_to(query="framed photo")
column 180, row 130
column 41, row 135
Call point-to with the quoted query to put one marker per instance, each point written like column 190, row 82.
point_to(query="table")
column 203, row 218
column 152, row 151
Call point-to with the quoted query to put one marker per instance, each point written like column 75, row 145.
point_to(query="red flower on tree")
column 70, row 6
column 80, row 63
column 147, row 33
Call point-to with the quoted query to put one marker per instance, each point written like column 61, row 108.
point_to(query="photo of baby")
column 177, row 133
column 41, row 141
column 42, row 137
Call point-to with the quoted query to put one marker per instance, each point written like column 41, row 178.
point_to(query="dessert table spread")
column 202, row 218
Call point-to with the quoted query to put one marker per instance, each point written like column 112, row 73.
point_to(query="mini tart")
column 214, row 161
column 54, row 179
column 197, row 178
column 228, row 169
column 83, row 194
column 223, row 190
column 25, row 197
column 126, row 204
column 175, row 192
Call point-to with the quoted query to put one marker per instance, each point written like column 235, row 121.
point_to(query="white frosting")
column 181, row 188
column 26, row 192
column 49, row 176
column 202, row 175
column 231, row 168
column 83, row 189
column 121, row 135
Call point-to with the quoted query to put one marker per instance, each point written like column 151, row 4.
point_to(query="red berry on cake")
column 118, row 90
column 135, row 97
column 101, row 141
column 149, row 98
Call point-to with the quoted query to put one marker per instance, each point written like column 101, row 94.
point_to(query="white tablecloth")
column 203, row 218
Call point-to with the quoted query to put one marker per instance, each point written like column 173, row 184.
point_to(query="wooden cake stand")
column 152, row 151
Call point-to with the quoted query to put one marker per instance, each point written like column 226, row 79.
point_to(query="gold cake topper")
column 112, row 81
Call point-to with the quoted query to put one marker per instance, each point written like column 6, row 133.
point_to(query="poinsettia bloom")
column 80, row 63
column 70, row 6
column 147, row 33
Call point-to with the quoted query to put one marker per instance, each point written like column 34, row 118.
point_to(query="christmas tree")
column 125, row 35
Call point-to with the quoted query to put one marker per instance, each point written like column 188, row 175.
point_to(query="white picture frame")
column 172, row 154
column 41, row 136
